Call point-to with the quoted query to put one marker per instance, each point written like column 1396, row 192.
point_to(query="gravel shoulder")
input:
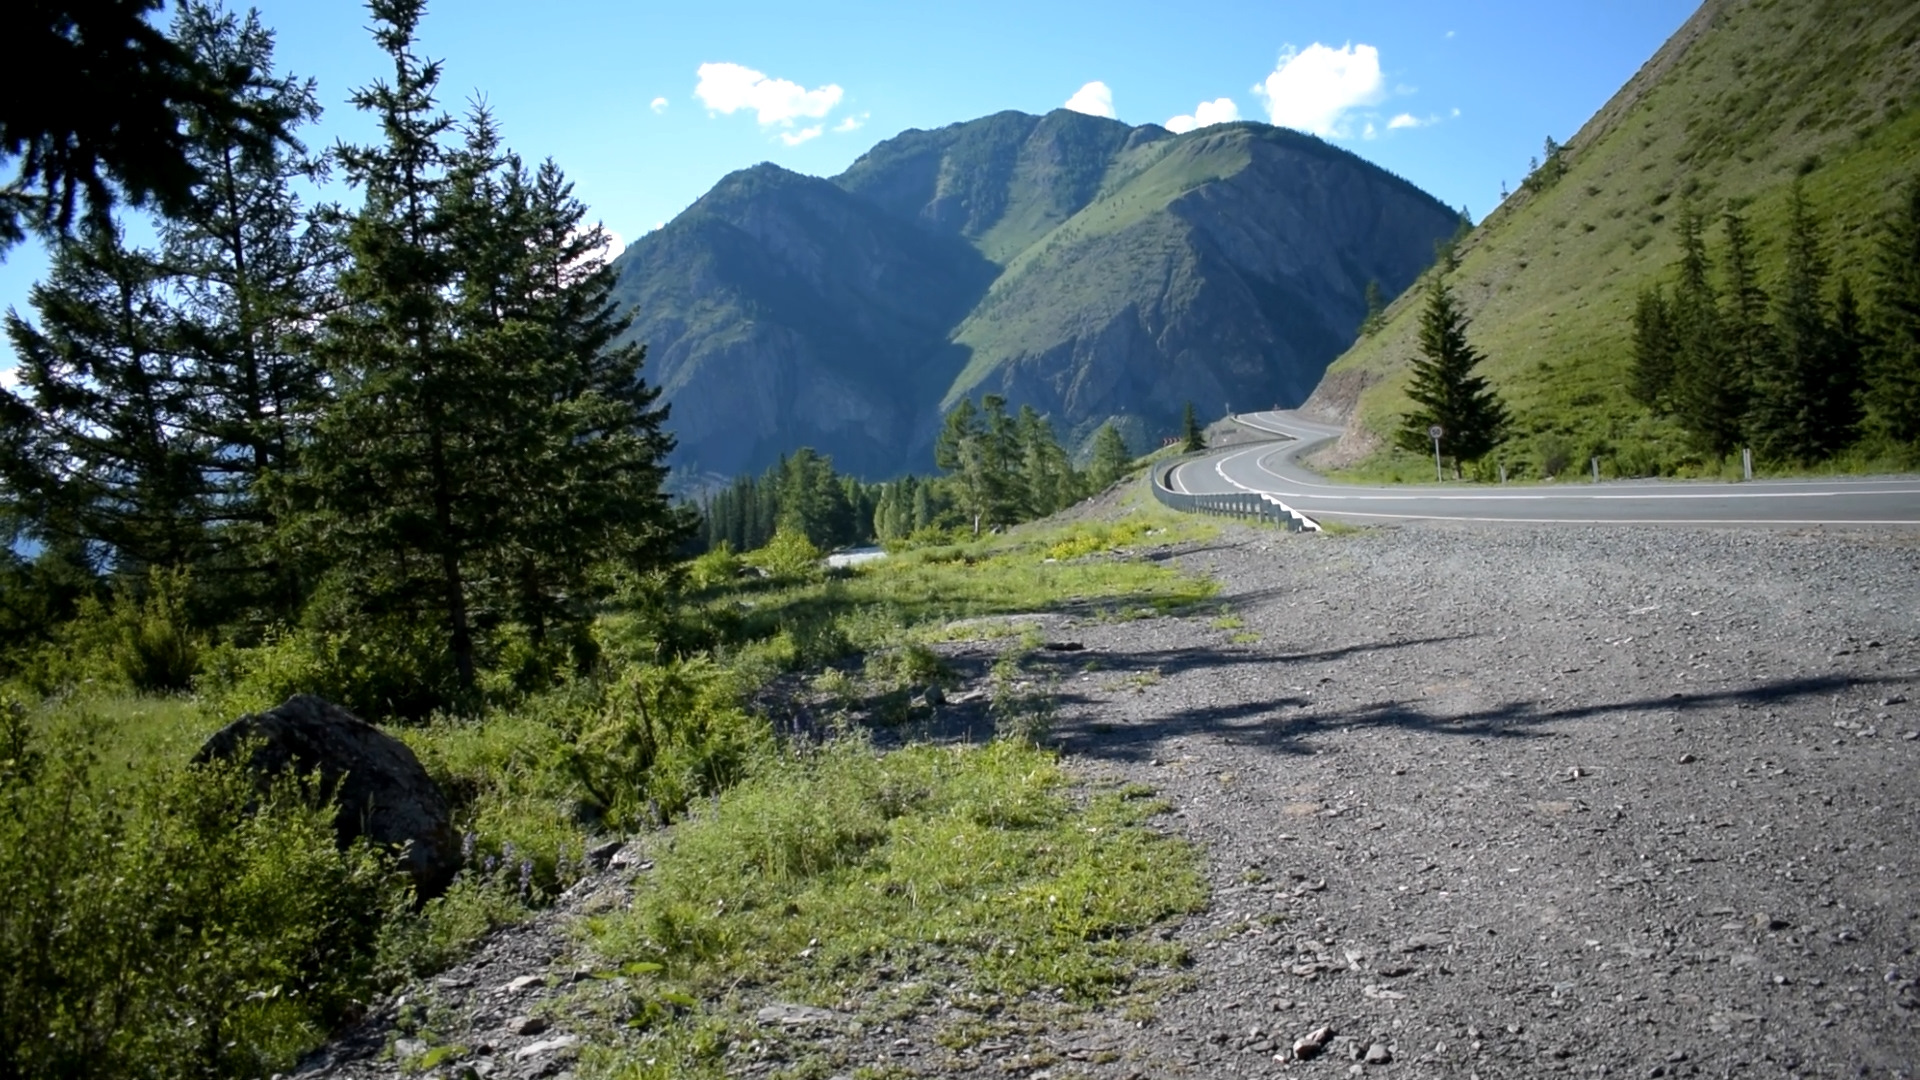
column 1521, row 803
column 1503, row 803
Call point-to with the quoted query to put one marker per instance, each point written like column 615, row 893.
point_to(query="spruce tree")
column 247, row 267
column 394, row 488
column 1650, row 379
column 1192, row 439
column 1803, row 390
column 1376, row 316
column 103, row 453
column 1111, row 459
column 1472, row 419
column 1709, row 398
column 1892, row 394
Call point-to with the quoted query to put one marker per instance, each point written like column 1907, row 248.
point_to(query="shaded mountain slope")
column 1744, row 98
column 781, row 312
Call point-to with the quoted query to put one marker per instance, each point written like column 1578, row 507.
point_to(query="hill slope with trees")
column 1748, row 104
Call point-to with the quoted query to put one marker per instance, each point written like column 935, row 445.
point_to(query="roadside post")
column 1596, row 470
column 1746, row 462
column 1434, row 433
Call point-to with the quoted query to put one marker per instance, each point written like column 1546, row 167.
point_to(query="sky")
column 645, row 104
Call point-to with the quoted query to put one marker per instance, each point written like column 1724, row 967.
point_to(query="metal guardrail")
column 1247, row 506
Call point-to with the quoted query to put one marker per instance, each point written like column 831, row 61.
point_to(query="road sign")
column 1434, row 433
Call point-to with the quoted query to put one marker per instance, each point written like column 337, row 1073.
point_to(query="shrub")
column 789, row 556
column 663, row 736
column 176, row 923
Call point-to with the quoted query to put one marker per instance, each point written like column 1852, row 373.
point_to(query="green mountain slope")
column 1221, row 267
column 1745, row 97
column 1090, row 269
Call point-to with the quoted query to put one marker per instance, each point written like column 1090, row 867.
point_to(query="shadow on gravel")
column 1282, row 725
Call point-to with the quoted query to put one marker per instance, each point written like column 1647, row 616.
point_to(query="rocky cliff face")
column 1090, row 269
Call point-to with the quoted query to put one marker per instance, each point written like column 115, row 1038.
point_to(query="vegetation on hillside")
column 1746, row 100
column 1001, row 470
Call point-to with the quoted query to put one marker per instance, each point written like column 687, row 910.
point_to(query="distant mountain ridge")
column 1088, row 268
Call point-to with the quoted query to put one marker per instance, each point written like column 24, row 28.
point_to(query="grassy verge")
column 878, row 885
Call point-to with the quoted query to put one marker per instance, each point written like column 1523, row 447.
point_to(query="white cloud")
column 10, row 378
column 658, row 105
column 1313, row 89
column 853, row 123
column 795, row 138
column 728, row 88
column 1405, row 120
column 1206, row 114
column 1094, row 99
column 1449, row 34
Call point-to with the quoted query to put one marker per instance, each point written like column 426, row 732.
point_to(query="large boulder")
column 382, row 791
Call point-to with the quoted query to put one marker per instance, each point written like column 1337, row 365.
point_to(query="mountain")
column 1746, row 97
column 1087, row 268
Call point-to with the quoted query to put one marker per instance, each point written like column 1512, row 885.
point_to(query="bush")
column 663, row 736
column 789, row 556
column 177, row 923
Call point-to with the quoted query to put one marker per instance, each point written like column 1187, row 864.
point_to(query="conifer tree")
column 1708, row 397
column 1654, row 349
column 1470, row 415
column 1376, row 310
column 1111, row 458
column 1192, row 439
column 246, row 267
column 1892, row 394
column 1803, row 388
column 102, row 453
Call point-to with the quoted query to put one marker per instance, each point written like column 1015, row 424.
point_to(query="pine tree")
column 1802, row 402
column 1192, row 439
column 1709, row 399
column 103, row 453
column 1892, row 394
column 246, row 267
column 1376, row 316
column 1472, row 419
column 1111, row 458
column 1654, row 350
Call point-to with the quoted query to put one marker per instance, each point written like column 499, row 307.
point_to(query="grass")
column 1828, row 90
column 837, row 877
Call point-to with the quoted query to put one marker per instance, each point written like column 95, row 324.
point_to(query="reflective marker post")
column 1436, row 431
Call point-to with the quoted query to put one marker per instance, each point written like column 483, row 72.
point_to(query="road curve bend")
column 1273, row 468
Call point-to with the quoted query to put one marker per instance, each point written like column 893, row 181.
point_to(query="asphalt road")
column 1272, row 468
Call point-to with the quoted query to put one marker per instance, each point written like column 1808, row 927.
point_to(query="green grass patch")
column 822, row 878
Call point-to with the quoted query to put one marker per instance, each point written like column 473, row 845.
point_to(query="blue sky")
column 646, row 104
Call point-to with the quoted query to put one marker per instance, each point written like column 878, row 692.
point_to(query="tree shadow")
column 1266, row 725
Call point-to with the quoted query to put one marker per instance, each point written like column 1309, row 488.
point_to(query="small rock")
column 602, row 856
column 935, row 696
column 523, row 982
column 1378, row 1054
column 408, row 1049
column 527, row 1025
column 1894, row 699
column 1308, row 1046
column 1687, row 759
column 788, row 1015
column 554, row 1045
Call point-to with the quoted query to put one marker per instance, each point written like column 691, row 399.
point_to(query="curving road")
column 1273, row 468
